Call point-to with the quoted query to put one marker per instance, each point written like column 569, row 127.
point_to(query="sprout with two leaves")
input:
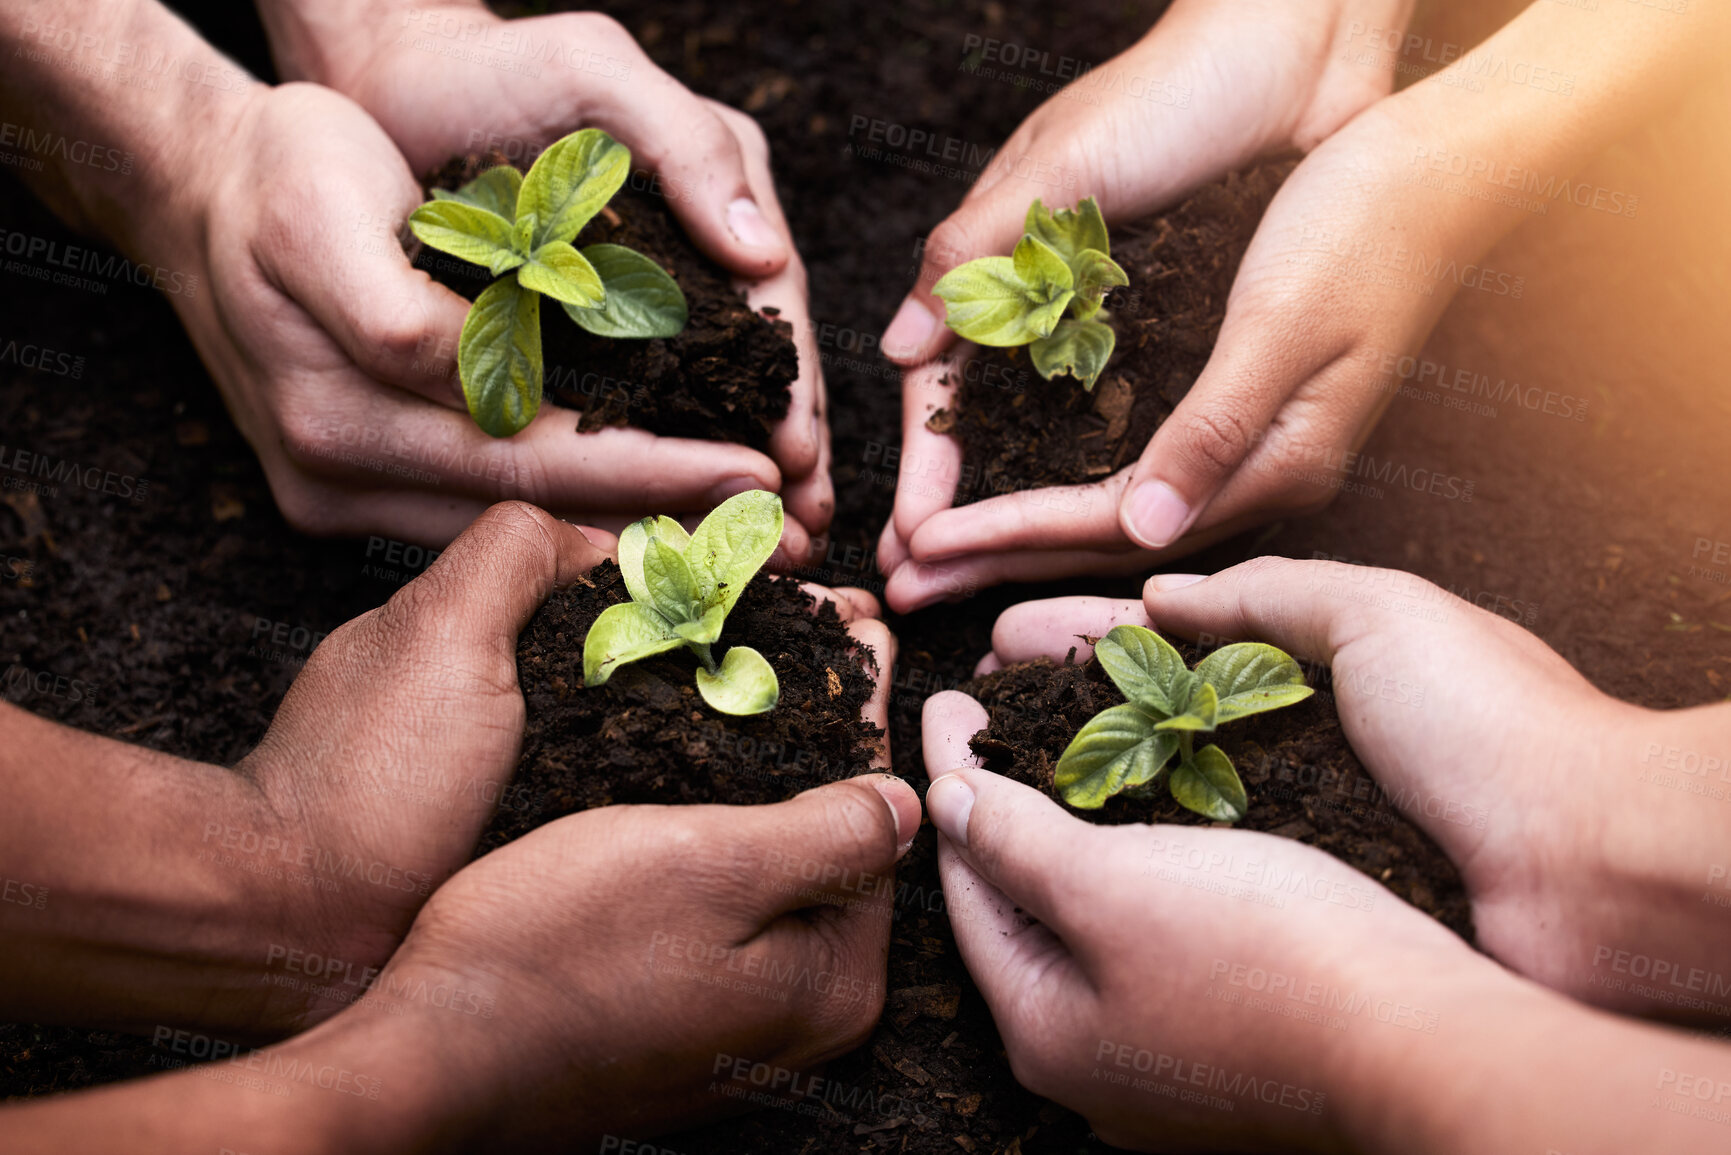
column 1046, row 295
column 1128, row 747
column 521, row 228
column 682, row 588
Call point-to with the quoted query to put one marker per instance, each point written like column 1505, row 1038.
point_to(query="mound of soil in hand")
column 647, row 737
column 1303, row 780
column 1019, row 431
column 724, row 378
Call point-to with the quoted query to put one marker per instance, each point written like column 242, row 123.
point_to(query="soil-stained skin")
column 725, row 377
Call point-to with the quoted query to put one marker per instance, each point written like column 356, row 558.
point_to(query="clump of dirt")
column 1303, row 780
column 725, row 377
column 1019, row 431
column 647, row 737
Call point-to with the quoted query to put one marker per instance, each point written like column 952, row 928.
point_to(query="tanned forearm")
column 143, row 891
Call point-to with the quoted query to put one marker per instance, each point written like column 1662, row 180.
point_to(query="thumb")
column 1022, row 966
column 1014, row 837
column 700, row 161
column 834, row 845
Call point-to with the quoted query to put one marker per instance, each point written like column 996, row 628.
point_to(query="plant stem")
column 701, row 649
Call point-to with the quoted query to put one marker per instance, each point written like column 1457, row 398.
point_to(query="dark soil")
column 647, row 737
column 1303, row 780
column 725, row 377
column 1181, row 264
column 1586, row 532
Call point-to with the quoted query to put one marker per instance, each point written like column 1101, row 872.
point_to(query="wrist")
column 335, row 43
column 1654, row 900
column 1389, row 1082
column 165, row 892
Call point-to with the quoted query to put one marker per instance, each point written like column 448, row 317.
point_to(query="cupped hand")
column 1524, row 773
column 636, row 969
column 451, row 79
column 1211, row 88
column 1357, row 256
column 398, row 740
column 1183, row 988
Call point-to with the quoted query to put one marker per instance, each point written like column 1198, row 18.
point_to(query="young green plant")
column 1047, row 295
column 682, row 588
column 521, row 228
column 1128, row 747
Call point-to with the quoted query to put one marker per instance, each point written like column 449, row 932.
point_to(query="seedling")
column 1128, row 747
column 1047, row 295
column 521, row 228
column 682, row 588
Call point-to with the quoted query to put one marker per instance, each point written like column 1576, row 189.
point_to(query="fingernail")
column 911, row 327
column 731, row 487
column 1163, row 583
column 1157, row 514
column 950, row 800
column 745, row 221
column 899, row 795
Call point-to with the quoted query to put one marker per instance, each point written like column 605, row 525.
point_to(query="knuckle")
column 392, row 334
column 306, row 509
column 302, row 433
column 516, row 521
column 859, row 828
column 599, row 28
column 1215, row 439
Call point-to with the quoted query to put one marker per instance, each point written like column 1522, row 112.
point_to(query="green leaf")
column 1209, row 785
column 641, row 299
column 705, row 629
column 568, row 184
column 635, row 540
column 672, row 589
column 745, row 683
column 1051, row 283
column 466, row 232
column 624, row 633
column 1201, row 712
column 1116, row 749
column 732, row 544
column 1144, row 667
column 987, row 303
column 499, row 358
column 564, row 274
column 1069, row 231
column 494, row 190
column 1095, row 274
column 1079, row 348
column 1252, row 677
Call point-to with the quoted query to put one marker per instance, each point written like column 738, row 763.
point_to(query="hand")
column 621, row 972
column 1111, row 957
column 1292, row 390
column 1198, row 989
column 449, row 79
column 1527, row 776
column 315, row 327
column 252, row 901
column 609, row 942
column 1209, row 89
column 278, row 888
